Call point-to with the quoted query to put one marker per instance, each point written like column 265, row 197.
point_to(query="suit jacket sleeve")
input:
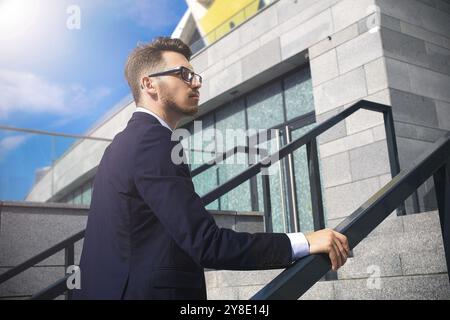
column 168, row 190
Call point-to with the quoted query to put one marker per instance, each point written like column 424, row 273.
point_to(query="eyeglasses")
column 186, row 74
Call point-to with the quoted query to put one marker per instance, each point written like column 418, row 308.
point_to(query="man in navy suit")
column 148, row 233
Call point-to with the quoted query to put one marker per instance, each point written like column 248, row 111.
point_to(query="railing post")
column 316, row 195
column 267, row 202
column 69, row 260
column 392, row 150
column 442, row 188
column 315, row 185
column 294, row 223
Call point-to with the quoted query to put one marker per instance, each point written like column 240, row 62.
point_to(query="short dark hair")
column 147, row 57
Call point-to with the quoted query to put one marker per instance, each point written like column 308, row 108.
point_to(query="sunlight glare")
column 16, row 17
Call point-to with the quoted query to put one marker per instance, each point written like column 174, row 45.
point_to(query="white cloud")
column 10, row 143
column 30, row 93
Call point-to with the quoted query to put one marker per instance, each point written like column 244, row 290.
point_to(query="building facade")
column 287, row 67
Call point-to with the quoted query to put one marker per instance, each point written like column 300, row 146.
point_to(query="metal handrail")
column 302, row 275
column 63, row 245
column 53, row 134
column 308, row 139
column 55, row 290
column 225, row 155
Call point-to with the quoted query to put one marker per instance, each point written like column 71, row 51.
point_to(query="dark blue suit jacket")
column 148, row 234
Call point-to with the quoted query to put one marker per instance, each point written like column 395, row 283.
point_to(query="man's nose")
column 196, row 84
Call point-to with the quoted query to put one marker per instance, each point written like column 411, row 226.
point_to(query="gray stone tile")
column 421, row 33
column 222, row 293
column 226, row 79
column 200, row 62
column 398, row 75
column 335, row 132
column 342, row 200
column 425, row 262
column 362, row 120
column 347, row 12
column 401, row 288
column 261, row 59
column 306, row 34
column 388, row 226
column 422, row 222
column 339, row 91
column 410, row 149
column 260, row 24
column 415, row 109
column 246, row 292
column 417, row 132
column 347, row 143
column 386, row 265
column 390, row 22
column 443, row 114
column 24, row 235
column 439, row 58
column 31, row 281
column 399, row 243
column 242, row 278
column 429, row 83
column 359, row 51
column 336, row 170
column 250, row 224
column 369, row 161
column 324, row 67
column 376, row 75
column 334, row 41
column 405, row 48
column 322, row 290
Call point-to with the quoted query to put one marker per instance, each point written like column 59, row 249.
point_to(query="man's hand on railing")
column 330, row 242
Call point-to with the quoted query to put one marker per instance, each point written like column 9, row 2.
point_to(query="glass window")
column 202, row 149
column 77, row 199
column 278, row 191
column 231, row 132
column 298, row 94
column 87, row 193
column 265, row 107
column 303, row 191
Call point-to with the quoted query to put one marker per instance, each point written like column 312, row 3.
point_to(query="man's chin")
column 190, row 111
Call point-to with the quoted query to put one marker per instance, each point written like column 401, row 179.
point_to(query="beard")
column 168, row 100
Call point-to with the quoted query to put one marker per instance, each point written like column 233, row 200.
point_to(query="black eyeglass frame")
column 180, row 70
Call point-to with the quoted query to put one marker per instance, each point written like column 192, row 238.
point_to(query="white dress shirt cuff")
column 300, row 246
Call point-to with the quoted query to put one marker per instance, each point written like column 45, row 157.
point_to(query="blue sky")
column 64, row 80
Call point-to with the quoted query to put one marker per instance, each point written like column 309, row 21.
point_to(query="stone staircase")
column 402, row 259
column 28, row 228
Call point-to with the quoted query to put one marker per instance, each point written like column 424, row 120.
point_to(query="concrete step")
column 235, row 285
column 421, row 222
column 394, row 264
column 406, row 242
column 417, row 287
column 386, row 265
column 405, row 245
column 27, row 229
column 30, row 281
column 405, row 254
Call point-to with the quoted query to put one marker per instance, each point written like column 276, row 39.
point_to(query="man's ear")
column 148, row 85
